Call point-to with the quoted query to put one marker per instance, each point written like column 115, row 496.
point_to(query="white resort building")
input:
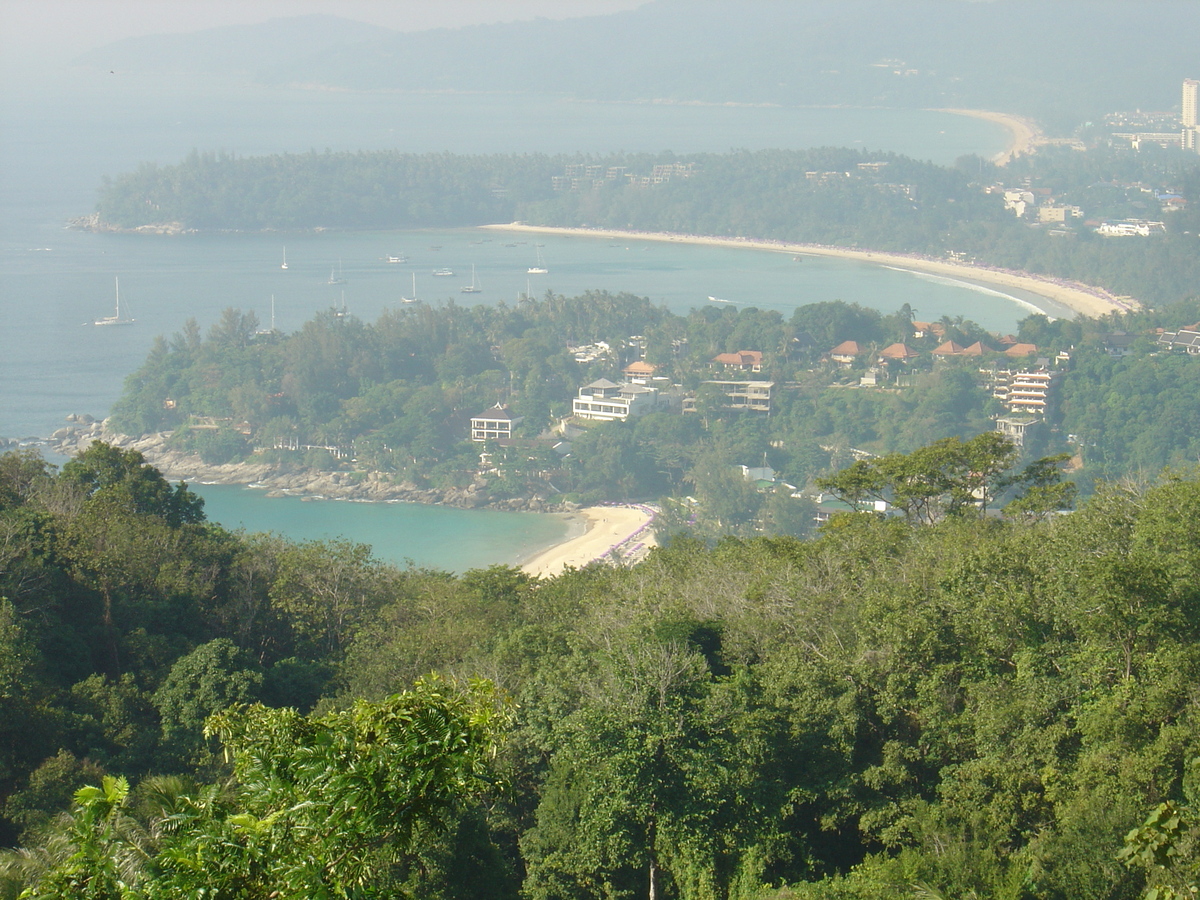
column 606, row 401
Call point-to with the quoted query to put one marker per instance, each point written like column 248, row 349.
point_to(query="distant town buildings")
column 1190, row 137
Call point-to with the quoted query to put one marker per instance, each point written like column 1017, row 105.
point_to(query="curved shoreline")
column 1081, row 298
column 619, row 533
column 1024, row 134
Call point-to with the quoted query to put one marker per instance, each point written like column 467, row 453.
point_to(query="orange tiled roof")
column 741, row 358
column 948, row 349
column 898, row 351
column 1021, row 350
column 846, row 348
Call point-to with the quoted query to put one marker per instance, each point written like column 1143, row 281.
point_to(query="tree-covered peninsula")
column 973, row 707
column 825, row 196
column 388, row 404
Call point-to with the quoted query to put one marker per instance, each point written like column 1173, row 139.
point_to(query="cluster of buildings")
column 1155, row 128
column 642, row 390
column 585, row 176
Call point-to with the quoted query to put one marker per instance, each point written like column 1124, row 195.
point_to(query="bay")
column 436, row 537
column 63, row 133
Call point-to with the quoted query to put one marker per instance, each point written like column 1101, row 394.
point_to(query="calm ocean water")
column 61, row 135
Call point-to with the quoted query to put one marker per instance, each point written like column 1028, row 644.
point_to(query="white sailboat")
column 284, row 266
column 473, row 287
column 413, row 298
column 335, row 275
column 270, row 330
column 116, row 318
column 540, row 268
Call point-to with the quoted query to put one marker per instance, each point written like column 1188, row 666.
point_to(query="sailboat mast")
column 117, row 285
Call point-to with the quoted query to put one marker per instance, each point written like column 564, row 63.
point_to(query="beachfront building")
column 496, row 424
column 606, row 401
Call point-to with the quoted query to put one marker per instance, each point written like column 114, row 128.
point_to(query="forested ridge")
column 975, row 707
column 826, row 196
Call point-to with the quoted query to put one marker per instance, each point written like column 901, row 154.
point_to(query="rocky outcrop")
column 93, row 222
column 368, row 486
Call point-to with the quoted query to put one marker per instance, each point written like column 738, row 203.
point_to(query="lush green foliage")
column 975, row 706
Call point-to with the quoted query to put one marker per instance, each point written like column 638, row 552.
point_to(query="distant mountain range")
column 1060, row 61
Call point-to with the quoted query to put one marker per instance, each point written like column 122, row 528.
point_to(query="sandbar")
column 1081, row 298
column 624, row 529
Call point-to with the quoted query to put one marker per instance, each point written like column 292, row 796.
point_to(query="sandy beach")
column 1081, row 298
column 624, row 529
column 1024, row 135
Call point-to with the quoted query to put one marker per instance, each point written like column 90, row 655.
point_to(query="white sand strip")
column 607, row 528
column 1082, row 298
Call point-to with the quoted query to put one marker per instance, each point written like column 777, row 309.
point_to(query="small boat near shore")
column 712, row 299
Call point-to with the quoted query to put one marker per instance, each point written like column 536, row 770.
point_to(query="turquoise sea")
column 61, row 134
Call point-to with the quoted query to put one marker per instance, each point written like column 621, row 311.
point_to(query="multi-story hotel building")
column 1188, row 115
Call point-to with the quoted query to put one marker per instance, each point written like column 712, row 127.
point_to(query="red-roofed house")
column 948, row 349
column 846, row 352
column 639, row 371
column 746, row 360
column 1021, row 350
column 898, row 353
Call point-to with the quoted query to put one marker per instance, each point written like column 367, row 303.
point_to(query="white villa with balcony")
column 606, row 401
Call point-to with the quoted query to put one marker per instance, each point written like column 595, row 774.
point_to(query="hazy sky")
column 53, row 30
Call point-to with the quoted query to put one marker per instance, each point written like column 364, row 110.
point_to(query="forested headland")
column 395, row 397
column 825, row 196
column 975, row 707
